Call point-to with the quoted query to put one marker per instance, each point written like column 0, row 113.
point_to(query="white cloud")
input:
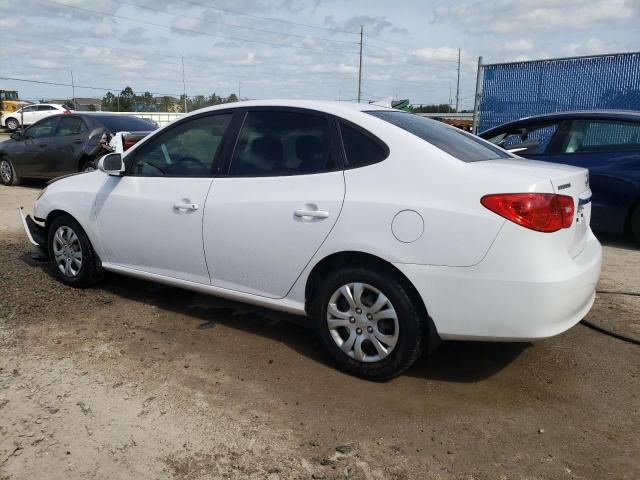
column 521, row 45
column 503, row 16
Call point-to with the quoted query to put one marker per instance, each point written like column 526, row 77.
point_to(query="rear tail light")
column 542, row 212
column 128, row 142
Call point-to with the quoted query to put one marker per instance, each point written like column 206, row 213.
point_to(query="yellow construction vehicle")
column 9, row 101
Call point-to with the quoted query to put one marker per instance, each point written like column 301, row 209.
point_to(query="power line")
column 87, row 87
column 169, row 27
column 306, row 37
column 236, row 12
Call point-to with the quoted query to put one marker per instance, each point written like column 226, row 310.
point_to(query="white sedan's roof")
column 321, row 105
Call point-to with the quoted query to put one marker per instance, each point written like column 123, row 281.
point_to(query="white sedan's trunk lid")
column 565, row 180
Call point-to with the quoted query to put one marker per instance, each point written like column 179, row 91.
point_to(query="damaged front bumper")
column 36, row 233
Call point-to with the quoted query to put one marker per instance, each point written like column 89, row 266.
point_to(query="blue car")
column 605, row 142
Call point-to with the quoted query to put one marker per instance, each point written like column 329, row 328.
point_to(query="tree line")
column 129, row 101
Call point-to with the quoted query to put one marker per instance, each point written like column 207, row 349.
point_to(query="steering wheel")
column 201, row 166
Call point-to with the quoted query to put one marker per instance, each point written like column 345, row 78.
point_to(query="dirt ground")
column 130, row 380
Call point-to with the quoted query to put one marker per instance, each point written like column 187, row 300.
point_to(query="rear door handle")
column 190, row 207
column 42, row 144
column 311, row 213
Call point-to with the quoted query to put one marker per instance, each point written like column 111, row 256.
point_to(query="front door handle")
column 311, row 213
column 186, row 207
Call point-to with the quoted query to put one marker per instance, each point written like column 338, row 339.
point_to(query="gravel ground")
column 133, row 380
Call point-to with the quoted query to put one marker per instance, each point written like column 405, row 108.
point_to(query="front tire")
column 72, row 256
column 369, row 323
column 12, row 124
column 8, row 173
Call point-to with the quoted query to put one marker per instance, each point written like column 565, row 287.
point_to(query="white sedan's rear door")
column 265, row 220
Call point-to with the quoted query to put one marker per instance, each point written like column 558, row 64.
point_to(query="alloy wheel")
column 12, row 124
column 362, row 322
column 67, row 251
column 6, row 171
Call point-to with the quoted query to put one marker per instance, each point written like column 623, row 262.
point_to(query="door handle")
column 311, row 213
column 42, row 144
column 79, row 140
column 187, row 207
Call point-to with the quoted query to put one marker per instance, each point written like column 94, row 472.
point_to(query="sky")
column 295, row 48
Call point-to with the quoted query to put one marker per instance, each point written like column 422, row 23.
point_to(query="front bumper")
column 510, row 299
column 36, row 233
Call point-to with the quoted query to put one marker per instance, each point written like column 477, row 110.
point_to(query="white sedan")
column 389, row 230
column 31, row 114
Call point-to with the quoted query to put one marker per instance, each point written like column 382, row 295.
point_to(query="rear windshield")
column 125, row 123
column 455, row 142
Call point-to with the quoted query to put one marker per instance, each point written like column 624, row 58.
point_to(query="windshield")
column 8, row 95
column 125, row 123
column 455, row 142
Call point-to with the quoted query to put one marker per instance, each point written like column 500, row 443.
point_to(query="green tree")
column 127, row 97
column 441, row 108
column 109, row 102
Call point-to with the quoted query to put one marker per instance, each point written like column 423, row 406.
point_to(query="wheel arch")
column 361, row 259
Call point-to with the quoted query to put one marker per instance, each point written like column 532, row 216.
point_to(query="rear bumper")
column 510, row 297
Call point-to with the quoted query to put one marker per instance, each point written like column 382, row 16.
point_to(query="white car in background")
column 31, row 114
column 391, row 231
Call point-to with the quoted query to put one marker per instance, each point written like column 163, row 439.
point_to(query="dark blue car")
column 605, row 142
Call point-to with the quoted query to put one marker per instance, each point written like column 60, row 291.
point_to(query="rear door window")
column 280, row 143
column 592, row 136
column 452, row 140
column 70, row 126
column 527, row 140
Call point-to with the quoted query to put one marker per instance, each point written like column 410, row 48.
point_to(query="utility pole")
column 477, row 97
column 360, row 67
column 458, row 87
column 239, row 96
column 184, row 86
column 73, row 92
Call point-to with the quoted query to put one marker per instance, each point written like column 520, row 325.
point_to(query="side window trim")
column 130, row 159
column 336, row 142
column 366, row 133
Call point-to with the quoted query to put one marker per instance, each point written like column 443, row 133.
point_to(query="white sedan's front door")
column 151, row 219
column 154, row 225
column 264, row 222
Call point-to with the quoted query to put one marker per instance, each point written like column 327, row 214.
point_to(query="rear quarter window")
column 455, row 142
column 360, row 149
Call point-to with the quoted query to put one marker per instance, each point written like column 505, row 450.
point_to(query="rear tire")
column 12, row 124
column 89, row 166
column 8, row 173
column 635, row 224
column 369, row 323
column 72, row 256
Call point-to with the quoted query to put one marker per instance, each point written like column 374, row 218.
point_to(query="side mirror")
column 111, row 164
column 16, row 136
